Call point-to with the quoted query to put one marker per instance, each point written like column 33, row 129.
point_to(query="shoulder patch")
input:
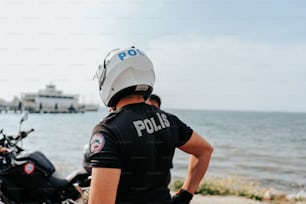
column 97, row 142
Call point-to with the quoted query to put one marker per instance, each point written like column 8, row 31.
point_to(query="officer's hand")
column 182, row 197
column 3, row 149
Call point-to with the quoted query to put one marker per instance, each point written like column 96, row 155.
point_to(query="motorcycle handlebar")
column 24, row 134
column 21, row 135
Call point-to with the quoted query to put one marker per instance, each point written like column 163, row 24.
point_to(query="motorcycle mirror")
column 24, row 117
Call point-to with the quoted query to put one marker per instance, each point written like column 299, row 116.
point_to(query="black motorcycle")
column 30, row 177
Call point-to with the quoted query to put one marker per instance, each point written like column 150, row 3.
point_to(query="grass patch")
column 231, row 185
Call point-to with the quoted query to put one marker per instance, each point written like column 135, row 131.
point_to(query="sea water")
column 266, row 147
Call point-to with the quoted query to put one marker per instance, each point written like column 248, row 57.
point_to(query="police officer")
column 3, row 149
column 131, row 150
column 154, row 100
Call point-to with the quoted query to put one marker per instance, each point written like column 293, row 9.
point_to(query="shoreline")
column 199, row 199
column 218, row 199
column 234, row 190
column 209, row 199
column 234, row 199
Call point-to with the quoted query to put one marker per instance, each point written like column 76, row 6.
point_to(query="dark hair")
column 129, row 91
column 156, row 98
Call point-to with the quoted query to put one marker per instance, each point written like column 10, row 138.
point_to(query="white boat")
column 50, row 100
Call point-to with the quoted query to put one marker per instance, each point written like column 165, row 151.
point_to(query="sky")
column 207, row 54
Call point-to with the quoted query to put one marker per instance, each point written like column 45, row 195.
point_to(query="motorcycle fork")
column 4, row 199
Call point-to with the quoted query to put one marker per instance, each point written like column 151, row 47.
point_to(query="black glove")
column 182, row 197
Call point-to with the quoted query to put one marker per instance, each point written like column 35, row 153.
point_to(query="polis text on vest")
column 150, row 125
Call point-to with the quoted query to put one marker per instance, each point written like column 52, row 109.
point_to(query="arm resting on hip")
column 200, row 152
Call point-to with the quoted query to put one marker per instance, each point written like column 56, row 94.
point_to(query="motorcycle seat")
column 57, row 181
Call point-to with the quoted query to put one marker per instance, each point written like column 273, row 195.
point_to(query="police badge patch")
column 97, row 142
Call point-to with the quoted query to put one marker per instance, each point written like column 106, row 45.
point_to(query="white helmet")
column 125, row 71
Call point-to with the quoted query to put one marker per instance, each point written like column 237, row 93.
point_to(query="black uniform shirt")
column 140, row 140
